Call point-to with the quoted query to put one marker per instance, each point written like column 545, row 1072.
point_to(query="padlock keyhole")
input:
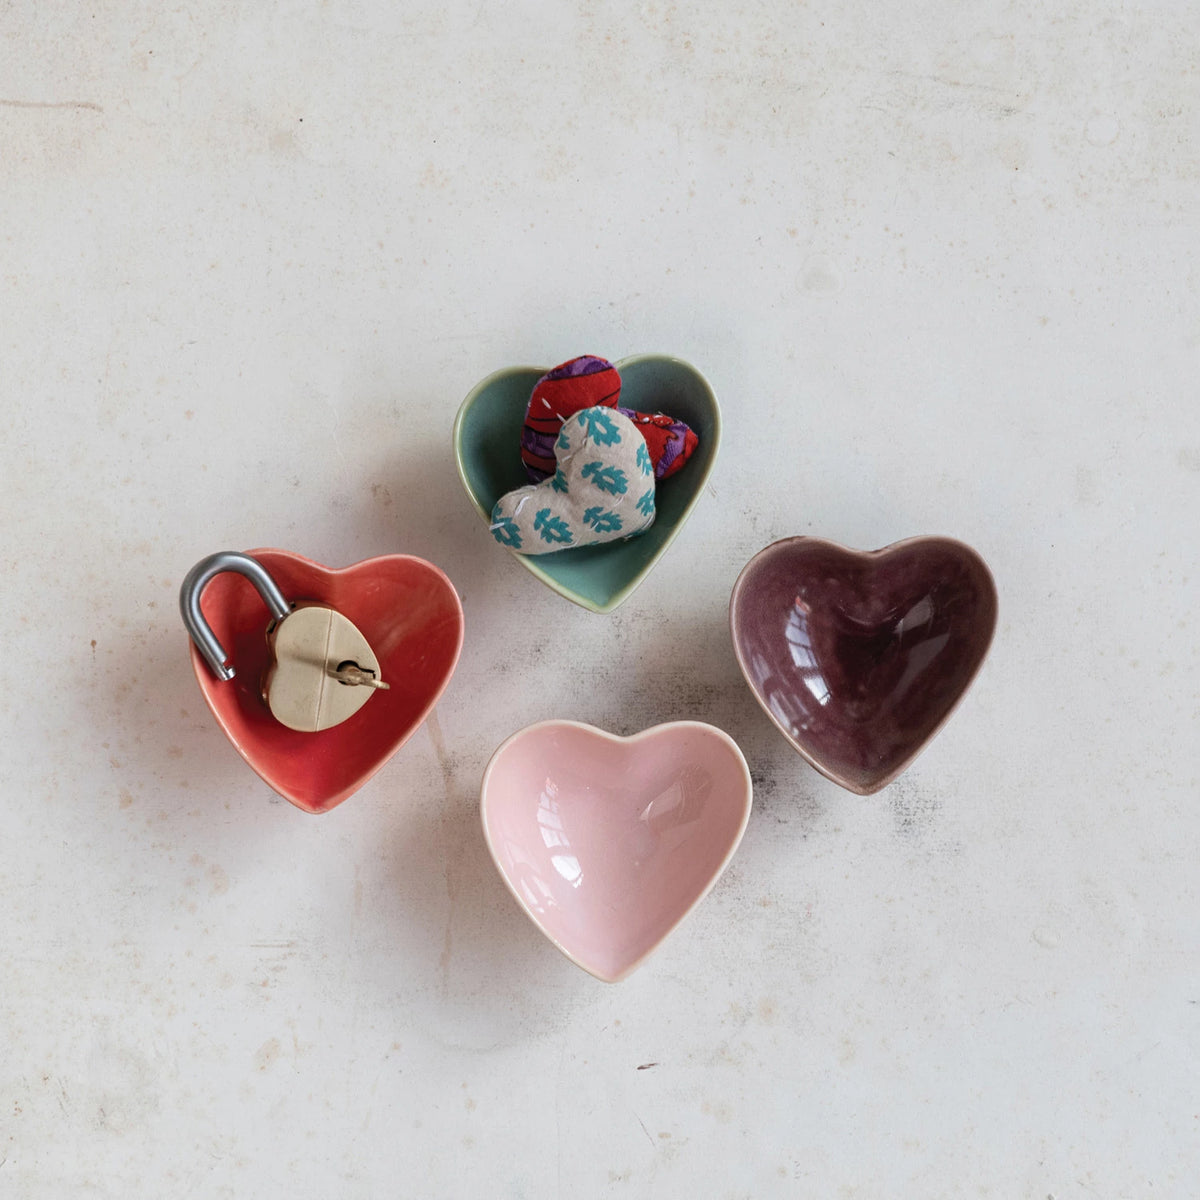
column 345, row 666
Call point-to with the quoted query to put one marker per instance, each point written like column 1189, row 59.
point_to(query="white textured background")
column 940, row 262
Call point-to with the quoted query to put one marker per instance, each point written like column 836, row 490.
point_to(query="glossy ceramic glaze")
column 609, row 842
column 407, row 610
column 859, row 657
column 487, row 448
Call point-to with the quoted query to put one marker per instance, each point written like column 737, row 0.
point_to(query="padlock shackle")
column 193, row 586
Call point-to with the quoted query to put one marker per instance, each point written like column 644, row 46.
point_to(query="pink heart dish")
column 407, row 610
column 608, row 842
column 860, row 657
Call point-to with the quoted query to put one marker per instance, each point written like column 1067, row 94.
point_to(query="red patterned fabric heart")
column 591, row 382
column 585, row 382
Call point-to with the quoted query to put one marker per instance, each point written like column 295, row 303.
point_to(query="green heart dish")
column 488, row 450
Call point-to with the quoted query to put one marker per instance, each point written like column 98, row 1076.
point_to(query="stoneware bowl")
column 407, row 610
column 609, row 842
column 860, row 657
column 487, row 447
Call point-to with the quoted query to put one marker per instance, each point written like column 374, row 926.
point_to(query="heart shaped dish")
column 487, row 448
column 407, row 610
column 860, row 657
column 608, row 842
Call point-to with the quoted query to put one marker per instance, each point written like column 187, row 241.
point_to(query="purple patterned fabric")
column 668, row 442
column 541, row 445
column 585, row 364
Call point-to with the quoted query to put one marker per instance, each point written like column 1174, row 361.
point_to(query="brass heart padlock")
column 322, row 669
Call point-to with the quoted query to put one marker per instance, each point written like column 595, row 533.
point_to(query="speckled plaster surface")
column 940, row 264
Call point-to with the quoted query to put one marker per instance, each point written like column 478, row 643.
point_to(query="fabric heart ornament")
column 670, row 442
column 584, row 382
column 589, row 382
column 409, row 613
column 602, row 489
column 608, row 842
column 859, row 658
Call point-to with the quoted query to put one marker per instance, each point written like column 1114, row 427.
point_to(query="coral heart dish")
column 608, row 842
column 407, row 610
column 487, row 443
column 860, row 657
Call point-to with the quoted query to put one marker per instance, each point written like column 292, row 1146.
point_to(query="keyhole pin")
column 352, row 674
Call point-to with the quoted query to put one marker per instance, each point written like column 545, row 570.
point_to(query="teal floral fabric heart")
column 602, row 491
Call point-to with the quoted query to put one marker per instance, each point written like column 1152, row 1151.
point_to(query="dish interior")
column 609, row 843
column 860, row 657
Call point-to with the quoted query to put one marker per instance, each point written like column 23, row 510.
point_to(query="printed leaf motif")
column 601, row 428
column 602, row 521
column 564, row 442
column 551, row 529
column 643, row 459
column 559, row 482
column 646, row 504
column 505, row 531
column 607, row 479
